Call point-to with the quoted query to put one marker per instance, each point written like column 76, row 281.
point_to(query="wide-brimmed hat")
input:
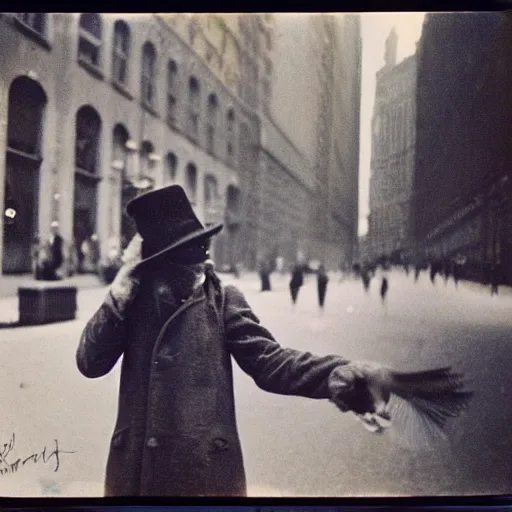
column 165, row 220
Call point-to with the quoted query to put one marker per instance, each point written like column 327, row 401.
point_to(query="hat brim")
column 196, row 235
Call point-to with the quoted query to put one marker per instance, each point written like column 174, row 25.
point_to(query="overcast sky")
column 375, row 29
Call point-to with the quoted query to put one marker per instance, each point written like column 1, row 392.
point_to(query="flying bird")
column 416, row 404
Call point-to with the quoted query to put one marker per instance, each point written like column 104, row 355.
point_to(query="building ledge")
column 91, row 68
column 32, row 34
column 119, row 87
column 149, row 108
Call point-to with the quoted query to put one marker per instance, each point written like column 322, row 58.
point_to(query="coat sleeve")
column 102, row 341
column 274, row 368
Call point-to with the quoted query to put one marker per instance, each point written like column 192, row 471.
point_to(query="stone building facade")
column 392, row 160
column 119, row 104
column 312, row 129
column 122, row 103
column 462, row 182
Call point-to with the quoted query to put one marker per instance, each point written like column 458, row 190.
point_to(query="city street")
column 292, row 446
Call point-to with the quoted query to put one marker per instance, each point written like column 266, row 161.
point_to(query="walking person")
column 265, row 276
column 365, row 276
column 383, row 292
column 296, row 282
column 322, row 280
column 177, row 328
column 56, row 250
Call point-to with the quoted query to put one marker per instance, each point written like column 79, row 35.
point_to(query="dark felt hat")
column 165, row 220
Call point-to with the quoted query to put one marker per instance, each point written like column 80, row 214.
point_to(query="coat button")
column 152, row 442
column 220, row 444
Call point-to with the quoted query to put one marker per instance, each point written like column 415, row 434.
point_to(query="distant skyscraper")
column 392, row 161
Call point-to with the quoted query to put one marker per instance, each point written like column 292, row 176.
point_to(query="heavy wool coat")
column 176, row 432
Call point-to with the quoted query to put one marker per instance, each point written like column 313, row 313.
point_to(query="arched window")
column 172, row 92
column 25, row 125
column 230, row 128
column 88, row 132
column 90, row 35
column 27, row 101
column 121, row 52
column 119, row 151
column 88, row 128
column 120, row 162
column 37, row 21
column 194, row 100
column 147, row 151
column 191, row 183
column 172, row 166
column 210, row 192
column 212, row 123
column 148, row 74
column 232, row 206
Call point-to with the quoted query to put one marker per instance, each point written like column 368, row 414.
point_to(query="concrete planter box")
column 46, row 303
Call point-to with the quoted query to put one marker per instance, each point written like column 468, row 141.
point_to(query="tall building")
column 310, row 138
column 462, row 182
column 99, row 107
column 392, row 160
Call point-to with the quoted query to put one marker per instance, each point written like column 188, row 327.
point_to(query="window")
column 210, row 192
column 89, row 44
column 121, row 52
column 88, row 127
column 147, row 161
column 194, row 105
column 119, row 151
column 212, row 123
column 37, row 21
column 25, row 120
column 230, row 128
column 172, row 91
column 191, row 185
column 148, row 74
column 172, row 166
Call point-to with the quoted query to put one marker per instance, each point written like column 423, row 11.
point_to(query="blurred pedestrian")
column 456, row 273
column 56, row 250
column 296, row 281
column 433, row 272
column 34, row 254
column 95, row 252
column 322, row 280
column 384, row 289
column 365, row 276
column 265, row 276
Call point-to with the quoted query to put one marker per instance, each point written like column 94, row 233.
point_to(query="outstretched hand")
column 418, row 403
column 362, row 388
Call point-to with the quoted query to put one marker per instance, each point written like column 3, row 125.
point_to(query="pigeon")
column 416, row 404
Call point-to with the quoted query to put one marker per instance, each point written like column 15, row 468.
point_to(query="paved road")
column 292, row 446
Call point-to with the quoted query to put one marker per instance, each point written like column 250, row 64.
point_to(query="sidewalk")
column 9, row 285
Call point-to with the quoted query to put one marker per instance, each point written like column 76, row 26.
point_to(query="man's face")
column 192, row 254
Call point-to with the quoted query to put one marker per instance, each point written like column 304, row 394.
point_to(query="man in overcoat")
column 177, row 329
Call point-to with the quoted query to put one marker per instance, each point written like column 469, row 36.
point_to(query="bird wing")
column 422, row 402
